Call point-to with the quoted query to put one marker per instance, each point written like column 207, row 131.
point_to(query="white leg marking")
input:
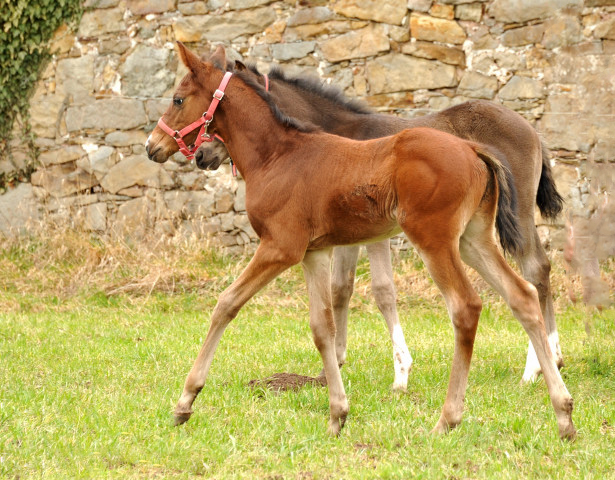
column 532, row 367
column 401, row 358
column 554, row 344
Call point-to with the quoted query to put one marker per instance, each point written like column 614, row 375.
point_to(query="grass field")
column 96, row 340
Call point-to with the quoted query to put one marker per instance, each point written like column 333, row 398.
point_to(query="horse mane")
column 277, row 113
column 312, row 85
column 315, row 86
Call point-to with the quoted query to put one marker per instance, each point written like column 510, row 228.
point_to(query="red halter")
column 202, row 122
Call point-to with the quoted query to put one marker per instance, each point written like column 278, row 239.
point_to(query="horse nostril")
column 199, row 156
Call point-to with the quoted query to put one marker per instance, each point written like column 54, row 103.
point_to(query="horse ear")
column 188, row 58
column 239, row 66
column 218, row 59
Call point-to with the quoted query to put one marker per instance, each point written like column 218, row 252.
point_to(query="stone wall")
column 553, row 61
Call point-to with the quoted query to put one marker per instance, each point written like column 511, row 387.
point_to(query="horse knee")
column 323, row 328
column 538, row 274
column 526, row 306
column 465, row 316
column 384, row 293
column 341, row 291
column 226, row 309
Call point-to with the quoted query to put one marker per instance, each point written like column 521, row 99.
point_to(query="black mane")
column 315, row 86
column 277, row 113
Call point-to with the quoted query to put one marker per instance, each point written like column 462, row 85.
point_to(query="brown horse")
column 308, row 191
column 307, row 100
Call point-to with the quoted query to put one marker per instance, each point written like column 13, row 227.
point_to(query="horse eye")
column 178, row 101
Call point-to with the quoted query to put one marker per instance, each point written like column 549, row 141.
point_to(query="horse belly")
column 360, row 216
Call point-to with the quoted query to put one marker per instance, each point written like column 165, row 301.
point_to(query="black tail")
column 548, row 199
column 507, row 217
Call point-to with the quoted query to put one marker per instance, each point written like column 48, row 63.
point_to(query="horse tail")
column 507, row 217
column 548, row 199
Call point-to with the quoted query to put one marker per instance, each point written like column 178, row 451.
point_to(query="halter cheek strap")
column 203, row 122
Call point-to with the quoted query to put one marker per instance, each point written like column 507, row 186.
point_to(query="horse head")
column 211, row 155
column 191, row 100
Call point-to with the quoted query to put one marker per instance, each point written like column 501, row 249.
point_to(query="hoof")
column 443, row 427
column 569, row 433
column 399, row 388
column 530, row 377
column 440, row 429
column 335, row 426
column 181, row 417
column 566, row 428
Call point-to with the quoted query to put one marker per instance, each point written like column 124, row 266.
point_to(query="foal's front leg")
column 268, row 262
column 342, row 286
column 317, row 268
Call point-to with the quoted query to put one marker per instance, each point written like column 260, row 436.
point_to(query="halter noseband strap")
column 202, row 122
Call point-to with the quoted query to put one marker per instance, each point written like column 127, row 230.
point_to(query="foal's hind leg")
column 464, row 306
column 268, row 262
column 442, row 259
column 479, row 250
column 535, row 267
column 317, row 268
column 383, row 288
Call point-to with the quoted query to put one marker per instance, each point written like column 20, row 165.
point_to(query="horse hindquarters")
column 479, row 250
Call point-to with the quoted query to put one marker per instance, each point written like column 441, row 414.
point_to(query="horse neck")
column 331, row 116
column 252, row 134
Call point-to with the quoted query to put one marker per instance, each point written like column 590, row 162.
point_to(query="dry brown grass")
column 566, row 285
column 64, row 263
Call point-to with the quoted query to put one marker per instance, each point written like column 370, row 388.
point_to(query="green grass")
column 88, row 382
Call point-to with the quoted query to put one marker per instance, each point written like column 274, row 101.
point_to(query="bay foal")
column 307, row 191
column 307, row 100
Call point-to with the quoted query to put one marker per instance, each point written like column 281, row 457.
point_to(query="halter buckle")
column 218, row 94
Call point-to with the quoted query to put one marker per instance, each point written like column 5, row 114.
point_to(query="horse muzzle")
column 209, row 161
